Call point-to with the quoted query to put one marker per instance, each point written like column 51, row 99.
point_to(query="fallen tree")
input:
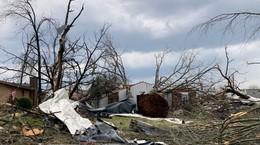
column 242, row 127
column 232, row 86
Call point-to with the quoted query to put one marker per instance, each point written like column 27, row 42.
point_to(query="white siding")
column 135, row 90
column 103, row 101
column 168, row 97
column 122, row 94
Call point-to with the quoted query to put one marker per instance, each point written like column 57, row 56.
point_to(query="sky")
column 143, row 28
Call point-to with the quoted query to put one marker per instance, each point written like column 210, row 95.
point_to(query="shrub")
column 25, row 102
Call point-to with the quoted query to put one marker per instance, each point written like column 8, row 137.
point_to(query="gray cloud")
column 146, row 25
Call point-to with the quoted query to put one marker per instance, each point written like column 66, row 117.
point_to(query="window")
column 185, row 98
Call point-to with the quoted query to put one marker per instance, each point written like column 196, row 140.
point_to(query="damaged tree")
column 62, row 44
column 239, row 128
column 185, row 73
column 113, row 63
column 58, row 60
column 232, row 86
column 23, row 10
column 112, row 72
column 232, row 22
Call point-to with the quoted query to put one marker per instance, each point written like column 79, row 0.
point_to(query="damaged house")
column 180, row 98
column 124, row 92
column 25, row 90
column 176, row 98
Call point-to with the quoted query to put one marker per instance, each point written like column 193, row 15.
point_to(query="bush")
column 25, row 102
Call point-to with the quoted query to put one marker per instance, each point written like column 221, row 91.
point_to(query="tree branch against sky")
column 184, row 73
column 138, row 31
column 245, row 24
column 59, row 60
column 24, row 10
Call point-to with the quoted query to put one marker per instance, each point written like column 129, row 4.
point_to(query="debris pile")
column 59, row 119
column 124, row 106
column 63, row 108
column 59, row 115
column 220, row 106
column 241, row 128
column 146, row 128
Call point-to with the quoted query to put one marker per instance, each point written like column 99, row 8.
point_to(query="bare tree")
column 113, row 62
column 58, row 60
column 247, row 22
column 62, row 43
column 232, row 22
column 87, row 67
column 23, row 10
column 185, row 73
column 229, row 76
column 159, row 60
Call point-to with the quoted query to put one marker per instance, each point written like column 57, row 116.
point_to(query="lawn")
column 205, row 128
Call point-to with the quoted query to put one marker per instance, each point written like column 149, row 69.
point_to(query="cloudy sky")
column 142, row 28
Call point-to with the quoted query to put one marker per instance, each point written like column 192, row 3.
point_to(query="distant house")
column 253, row 92
column 6, row 88
column 124, row 92
column 134, row 90
column 178, row 99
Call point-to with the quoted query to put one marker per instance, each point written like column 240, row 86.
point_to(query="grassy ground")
column 192, row 133
column 205, row 128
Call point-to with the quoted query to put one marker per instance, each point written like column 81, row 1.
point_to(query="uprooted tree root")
column 241, row 128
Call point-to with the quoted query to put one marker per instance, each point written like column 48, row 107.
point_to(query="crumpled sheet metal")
column 81, row 128
column 124, row 106
column 63, row 108
column 102, row 132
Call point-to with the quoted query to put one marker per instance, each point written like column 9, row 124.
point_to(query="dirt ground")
column 206, row 128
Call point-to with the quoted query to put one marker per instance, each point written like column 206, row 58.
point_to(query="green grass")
column 33, row 121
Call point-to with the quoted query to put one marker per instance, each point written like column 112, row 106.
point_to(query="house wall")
column 103, row 101
column 168, row 98
column 122, row 95
column 135, row 90
column 174, row 99
column 6, row 90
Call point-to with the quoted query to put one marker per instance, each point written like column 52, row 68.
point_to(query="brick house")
column 25, row 90
column 180, row 98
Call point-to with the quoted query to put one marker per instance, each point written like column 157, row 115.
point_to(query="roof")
column 129, row 86
column 26, row 87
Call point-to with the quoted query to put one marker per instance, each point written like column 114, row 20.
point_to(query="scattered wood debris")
column 31, row 132
column 242, row 127
column 146, row 128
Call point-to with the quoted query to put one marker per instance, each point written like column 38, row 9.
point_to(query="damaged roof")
column 26, row 87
